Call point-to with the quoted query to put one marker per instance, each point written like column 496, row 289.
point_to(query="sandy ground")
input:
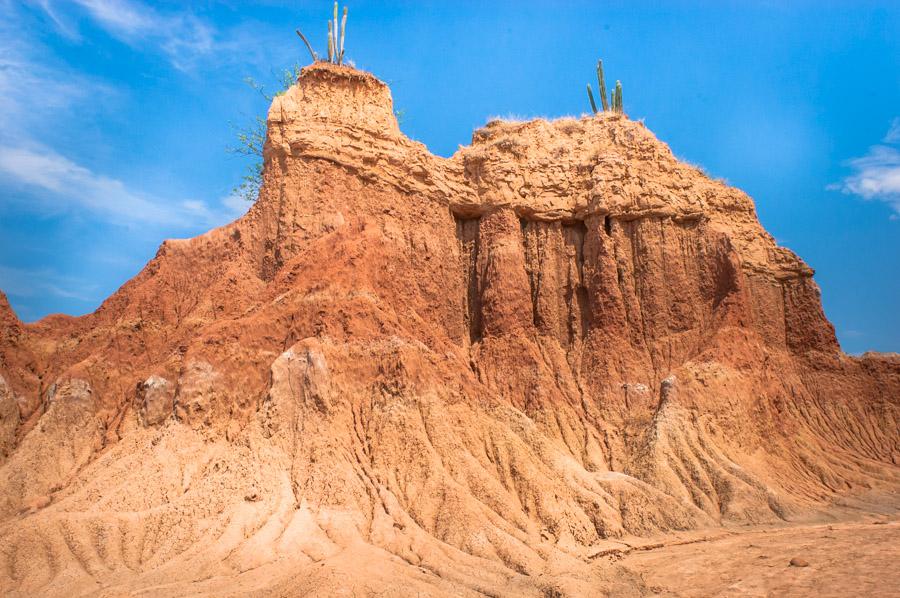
column 844, row 559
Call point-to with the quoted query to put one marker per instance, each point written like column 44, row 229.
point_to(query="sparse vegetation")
column 252, row 137
column 615, row 101
column 336, row 36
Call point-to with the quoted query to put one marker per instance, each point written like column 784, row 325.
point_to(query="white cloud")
column 35, row 84
column 61, row 23
column 893, row 135
column 878, row 173
column 16, row 282
column 235, row 206
column 181, row 36
column 63, row 185
column 123, row 18
column 35, row 88
column 876, row 176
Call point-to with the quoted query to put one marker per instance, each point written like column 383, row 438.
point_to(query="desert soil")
column 843, row 559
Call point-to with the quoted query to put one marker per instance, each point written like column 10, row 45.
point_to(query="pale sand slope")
column 845, row 559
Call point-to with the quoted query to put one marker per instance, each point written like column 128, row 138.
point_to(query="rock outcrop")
column 400, row 372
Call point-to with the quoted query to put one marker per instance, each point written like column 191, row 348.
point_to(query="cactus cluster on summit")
column 615, row 100
column 335, row 41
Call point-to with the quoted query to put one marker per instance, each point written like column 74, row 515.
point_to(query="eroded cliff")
column 451, row 376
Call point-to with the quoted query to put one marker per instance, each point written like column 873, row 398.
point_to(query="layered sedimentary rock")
column 400, row 372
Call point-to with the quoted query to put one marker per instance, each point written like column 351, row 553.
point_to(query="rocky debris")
column 313, row 376
column 9, row 420
column 667, row 391
column 36, row 503
column 798, row 562
column 65, row 439
column 435, row 374
column 201, row 391
column 638, row 397
column 156, row 400
column 10, row 327
column 72, row 394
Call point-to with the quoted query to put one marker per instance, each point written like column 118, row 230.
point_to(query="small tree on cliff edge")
column 252, row 137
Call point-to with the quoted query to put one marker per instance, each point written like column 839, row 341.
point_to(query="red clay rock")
column 156, row 400
column 445, row 376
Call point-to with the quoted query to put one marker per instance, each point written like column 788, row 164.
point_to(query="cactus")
column 615, row 96
column 336, row 34
column 330, row 43
column 343, row 33
column 591, row 98
column 335, row 31
column 601, row 82
column 309, row 47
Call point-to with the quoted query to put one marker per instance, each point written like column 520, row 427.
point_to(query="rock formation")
column 404, row 373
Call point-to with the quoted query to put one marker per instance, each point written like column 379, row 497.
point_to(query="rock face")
column 446, row 376
column 156, row 400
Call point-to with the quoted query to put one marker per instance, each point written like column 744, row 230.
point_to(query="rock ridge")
column 452, row 376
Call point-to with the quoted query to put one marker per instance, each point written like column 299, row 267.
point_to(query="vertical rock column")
column 806, row 327
column 554, row 263
column 467, row 235
column 607, row 313
column 506, row 293
column 613, row 350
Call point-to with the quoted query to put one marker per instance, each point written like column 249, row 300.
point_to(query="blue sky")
column 114, row 118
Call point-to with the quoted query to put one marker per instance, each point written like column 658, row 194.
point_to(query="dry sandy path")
column 845, row 559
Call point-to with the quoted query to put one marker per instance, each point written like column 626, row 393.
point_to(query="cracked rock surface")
column 400, row 373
